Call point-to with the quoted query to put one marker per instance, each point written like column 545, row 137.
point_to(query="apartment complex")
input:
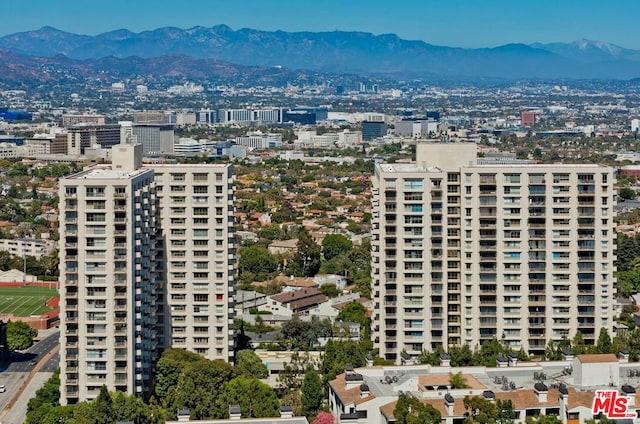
column 147, row 262
column 464, row 252
column 197, row 246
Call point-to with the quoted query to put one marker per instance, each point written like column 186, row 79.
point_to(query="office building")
column 373, row 129
column 464, row 252
column 147, row 260
column 527, row 118
column 75, row 119
column 155, row 117
column 155, row 139
column 251, row 116
column 416, row 128
column 82, row 136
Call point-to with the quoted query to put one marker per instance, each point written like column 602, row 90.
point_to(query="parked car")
column 2, row 388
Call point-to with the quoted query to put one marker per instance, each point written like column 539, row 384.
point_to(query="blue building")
column 373, row 129
column 17, row 115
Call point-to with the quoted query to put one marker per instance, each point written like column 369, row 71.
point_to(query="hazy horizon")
column 462, row 23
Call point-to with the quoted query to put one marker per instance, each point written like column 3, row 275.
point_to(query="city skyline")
column 464, row 23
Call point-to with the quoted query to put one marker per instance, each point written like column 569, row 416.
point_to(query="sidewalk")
column 16, row 411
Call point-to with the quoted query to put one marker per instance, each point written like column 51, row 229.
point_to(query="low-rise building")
column 295, row 301
column 563, row 388
column 28, row 247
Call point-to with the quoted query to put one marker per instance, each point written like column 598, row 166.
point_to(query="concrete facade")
column 465, row 252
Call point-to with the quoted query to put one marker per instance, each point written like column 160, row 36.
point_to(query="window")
column 413, row 184
column 95, row 191
column 200, row 189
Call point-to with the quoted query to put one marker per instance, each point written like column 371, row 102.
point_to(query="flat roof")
column 106, row 174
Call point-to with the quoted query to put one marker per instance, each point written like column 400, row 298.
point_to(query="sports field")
column 25, row 301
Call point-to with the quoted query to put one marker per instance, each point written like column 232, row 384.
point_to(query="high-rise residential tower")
column 107, row 280
column 147, row 262
column 465, row 251
column 195, row 216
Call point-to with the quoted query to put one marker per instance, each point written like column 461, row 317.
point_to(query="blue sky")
column 460, row 23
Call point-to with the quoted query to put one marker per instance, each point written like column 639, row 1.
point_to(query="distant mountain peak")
column 343, row 51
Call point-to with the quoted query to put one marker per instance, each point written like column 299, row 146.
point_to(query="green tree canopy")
column 604, row 341
column 409, row 410
column 338, row 354
column 256, row 399
column 20, row 335
column 257, row 260
column 303, row 335
column 483, row 411
column 312, row 393
column 250, row 365
column 307, row 258
column 356, row 312
column 169, row 368
column 198, row 388
column 334, row 245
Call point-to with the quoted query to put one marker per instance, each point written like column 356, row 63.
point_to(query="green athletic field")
column 25, row 301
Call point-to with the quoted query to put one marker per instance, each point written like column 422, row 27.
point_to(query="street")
column 18, row 372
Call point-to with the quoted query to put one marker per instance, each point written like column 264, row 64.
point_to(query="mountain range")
column 335, row 52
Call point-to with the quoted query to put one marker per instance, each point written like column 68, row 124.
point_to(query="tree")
column 409, row 410
column 356, row 312
column 307, row 257
column 169, row 368
column 481, row 410
column 48, row 394
column 199, row 386
column 271, row 232
column 250, row 365
column 303, row 335
column 329, row 290
column 312, row 393
column 130, row 408
column 577, row 344
column 431, row 358
column 604, row 341
column 102, row 407
column 256, row 399
column 20, row 335
column 338, row 354
column 257, row 260
column 461, row 355
column 458, row 381
column 544, row 419
column 627, row 193
column 334, row 245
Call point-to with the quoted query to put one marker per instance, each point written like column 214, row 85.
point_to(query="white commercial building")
column 463, row 252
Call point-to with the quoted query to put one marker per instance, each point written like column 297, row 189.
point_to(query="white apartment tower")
column 107, row 281
column 198, row 251
column 464, row 252
column 146, row 262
